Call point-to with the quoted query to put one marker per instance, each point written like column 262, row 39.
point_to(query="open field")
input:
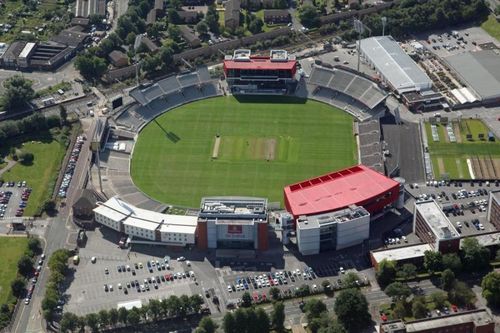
column 11, row 248
column 265, row 144
column 42, row 173
column 492, row 27
column 451, row 157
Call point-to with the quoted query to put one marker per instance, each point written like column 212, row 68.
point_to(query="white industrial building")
column 332, row 231
column 176, row 230
column 396, row 68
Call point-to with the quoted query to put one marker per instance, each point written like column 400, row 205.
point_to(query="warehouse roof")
column 436, row 219
column 336, row 190
column 401, row 253
column 480, row 70
column 394, row 64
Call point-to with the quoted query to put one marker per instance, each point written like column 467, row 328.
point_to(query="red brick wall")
column 449, row 246
column 202, row 238
column 262, row 237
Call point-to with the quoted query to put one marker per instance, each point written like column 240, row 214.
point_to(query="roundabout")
column 225, row 146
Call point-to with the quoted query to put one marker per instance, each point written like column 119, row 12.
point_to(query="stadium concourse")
column 151, row 101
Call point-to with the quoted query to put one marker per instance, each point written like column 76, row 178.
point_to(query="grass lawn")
column 11, row 248
column 492, row 27
column 42, row 173
column 264, row 144
column 452, row 157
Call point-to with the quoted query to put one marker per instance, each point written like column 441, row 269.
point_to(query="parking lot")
column 14, row 197
column 462, row 202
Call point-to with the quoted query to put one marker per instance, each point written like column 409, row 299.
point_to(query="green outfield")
column 222, row 146
column 457, row 159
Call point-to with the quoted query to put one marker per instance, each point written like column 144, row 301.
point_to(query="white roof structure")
column 27, row 50
column 394, row 65
column 437, row 220
column 402, row 253
column 118, row 210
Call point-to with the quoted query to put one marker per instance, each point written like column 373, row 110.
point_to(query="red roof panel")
column 336, row 190
column 259, row 64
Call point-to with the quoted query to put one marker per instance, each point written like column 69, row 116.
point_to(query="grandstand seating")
column 129, row 120
column 348, row 83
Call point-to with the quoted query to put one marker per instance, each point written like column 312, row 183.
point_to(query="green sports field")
column 262, row 145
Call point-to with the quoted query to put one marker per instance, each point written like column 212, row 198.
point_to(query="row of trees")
column 154, row 310
column 472, row 257
column 58, row 265
column 17, row 94
column 36, row 122
column 18, row 286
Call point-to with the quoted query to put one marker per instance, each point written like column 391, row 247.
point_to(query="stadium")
column 266, row 125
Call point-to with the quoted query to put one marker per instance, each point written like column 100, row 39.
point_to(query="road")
column 57, row 236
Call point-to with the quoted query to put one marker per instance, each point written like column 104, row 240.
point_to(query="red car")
column 383, row 317
column 264, row 297
column 454, row 308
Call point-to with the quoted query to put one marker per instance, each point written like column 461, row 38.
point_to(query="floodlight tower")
column 359, row 27
column 384, row 22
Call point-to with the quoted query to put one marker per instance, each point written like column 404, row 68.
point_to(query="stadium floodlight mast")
column 359, row 27
column 384, row 22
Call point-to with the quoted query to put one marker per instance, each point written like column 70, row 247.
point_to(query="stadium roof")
column 336, row 190
column 119, row 210
column 391, row 61
column 261, row 63
column 480, row 70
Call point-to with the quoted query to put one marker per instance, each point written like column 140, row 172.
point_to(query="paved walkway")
column 10, row 165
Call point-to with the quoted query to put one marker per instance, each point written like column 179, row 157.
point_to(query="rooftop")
column 480, row 70
column 340, row 216
column 230, row 208
column 243, row 59
column 28, row 48
column 478, row 317
column 394, row 64
column 401, row 253
column 336, row 190
column 436, row 219
column 119, row 210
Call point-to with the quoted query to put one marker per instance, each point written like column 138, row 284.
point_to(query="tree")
column 407, row 271
column 326, row 285
column 282, row 4
column 202, row 28
column 351, row 280
column 208, row 325
column 439, row 298
column 255, row 25
column 386, row 272
column 103, row 318
column 497, row 10
column 212, row 19
column 400, row 309
column 333, row 327
column 309, row 16
column 474, row 256
column 398, row 291
column 122, row 315
column 262, row 322
column 92, row 321
column 278, row 316
column 26, row 157
column 351, row 308
column 461, row 294
column 34, row 245
column 314, row 308
column 246, row 299
column 195, row 302
column 90, row 66
column 229, row 323
column 418, row 308
column 491, row 288
column 63, row 114
column 433, row 261
column 18, row 92
column 25, row 265
column 49, row 205
column 17, row 287
column 113, row 316
column 315, row 324
column 453, row 262
column 240, row 319
column 134, row 316
column 447, row 279
column 275, row 293
column 69, row 322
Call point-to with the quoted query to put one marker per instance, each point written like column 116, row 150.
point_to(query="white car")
column 110, row 287
column 119, row 286
column 181, row 259
column 188, row 263
column 459, row 224
column 93, row 260
column 229, row 288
